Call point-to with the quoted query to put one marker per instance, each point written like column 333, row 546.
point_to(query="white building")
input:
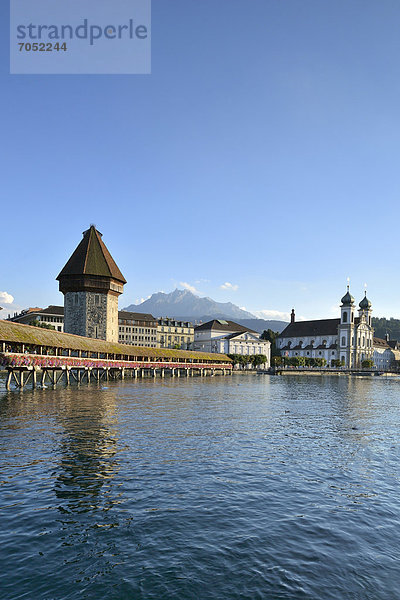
column 52, row 315
column 227, row 337
column 386, row 352
column 348, row 339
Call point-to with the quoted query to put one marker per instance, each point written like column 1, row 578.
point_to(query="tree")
column 296, row 361
column 277, row 361
column 336, row 362
column 367, row 364
column 258, row 359
column 37, row 323
column 239, row 359
column 270, row 336
column 320, row 362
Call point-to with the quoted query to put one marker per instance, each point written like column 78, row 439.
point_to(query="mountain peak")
column 185, row 304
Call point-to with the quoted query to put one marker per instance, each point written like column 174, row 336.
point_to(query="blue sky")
column 262, row 152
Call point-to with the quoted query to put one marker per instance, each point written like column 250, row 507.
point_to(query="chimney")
column 292, row 316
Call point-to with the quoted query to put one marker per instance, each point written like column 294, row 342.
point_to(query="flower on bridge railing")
column 34, row 360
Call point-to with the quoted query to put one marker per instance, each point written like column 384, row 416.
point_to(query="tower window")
column 345, row 317
column 343, row 341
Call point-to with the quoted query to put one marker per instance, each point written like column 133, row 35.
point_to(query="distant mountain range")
column 186, row 306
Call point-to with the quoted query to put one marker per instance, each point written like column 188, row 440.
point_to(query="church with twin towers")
column 349, row 339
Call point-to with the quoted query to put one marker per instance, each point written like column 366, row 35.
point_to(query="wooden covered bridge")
column 37, row 356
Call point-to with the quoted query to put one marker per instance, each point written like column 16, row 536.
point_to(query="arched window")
column 343, row 341
column 312, row 342
column 301, row 343
column 345, row 317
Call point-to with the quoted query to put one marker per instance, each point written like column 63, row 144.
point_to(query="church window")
column 343, row 341
column 352, row 317
column 345, row 317
column 312, row 342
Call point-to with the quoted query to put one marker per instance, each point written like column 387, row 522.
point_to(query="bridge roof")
column 91, row 257
column 16, row 333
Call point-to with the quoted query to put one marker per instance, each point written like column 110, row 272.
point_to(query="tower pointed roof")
column 92, row 257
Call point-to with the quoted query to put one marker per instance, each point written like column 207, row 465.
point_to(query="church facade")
column 349, row 338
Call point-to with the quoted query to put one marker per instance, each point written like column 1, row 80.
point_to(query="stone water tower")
column 91, row 283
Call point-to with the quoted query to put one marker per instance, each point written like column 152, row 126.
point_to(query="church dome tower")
column 365, row 304
column 347, row 307
column 91, row 283
column 346, row 330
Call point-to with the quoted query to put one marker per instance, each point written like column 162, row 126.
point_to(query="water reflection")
column 88, row 451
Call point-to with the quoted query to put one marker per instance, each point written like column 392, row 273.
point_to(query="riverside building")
column 228, row 337
column 52, row 315
column 174, row 334
column 349, row 339
column 137, row 329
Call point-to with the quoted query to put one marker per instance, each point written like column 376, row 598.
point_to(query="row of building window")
column 136, row 329
column 52, row 319
column 176, row 330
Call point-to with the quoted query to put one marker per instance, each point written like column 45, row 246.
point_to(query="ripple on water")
column 254, row 488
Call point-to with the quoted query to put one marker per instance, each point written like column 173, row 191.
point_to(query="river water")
column 226, row 488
